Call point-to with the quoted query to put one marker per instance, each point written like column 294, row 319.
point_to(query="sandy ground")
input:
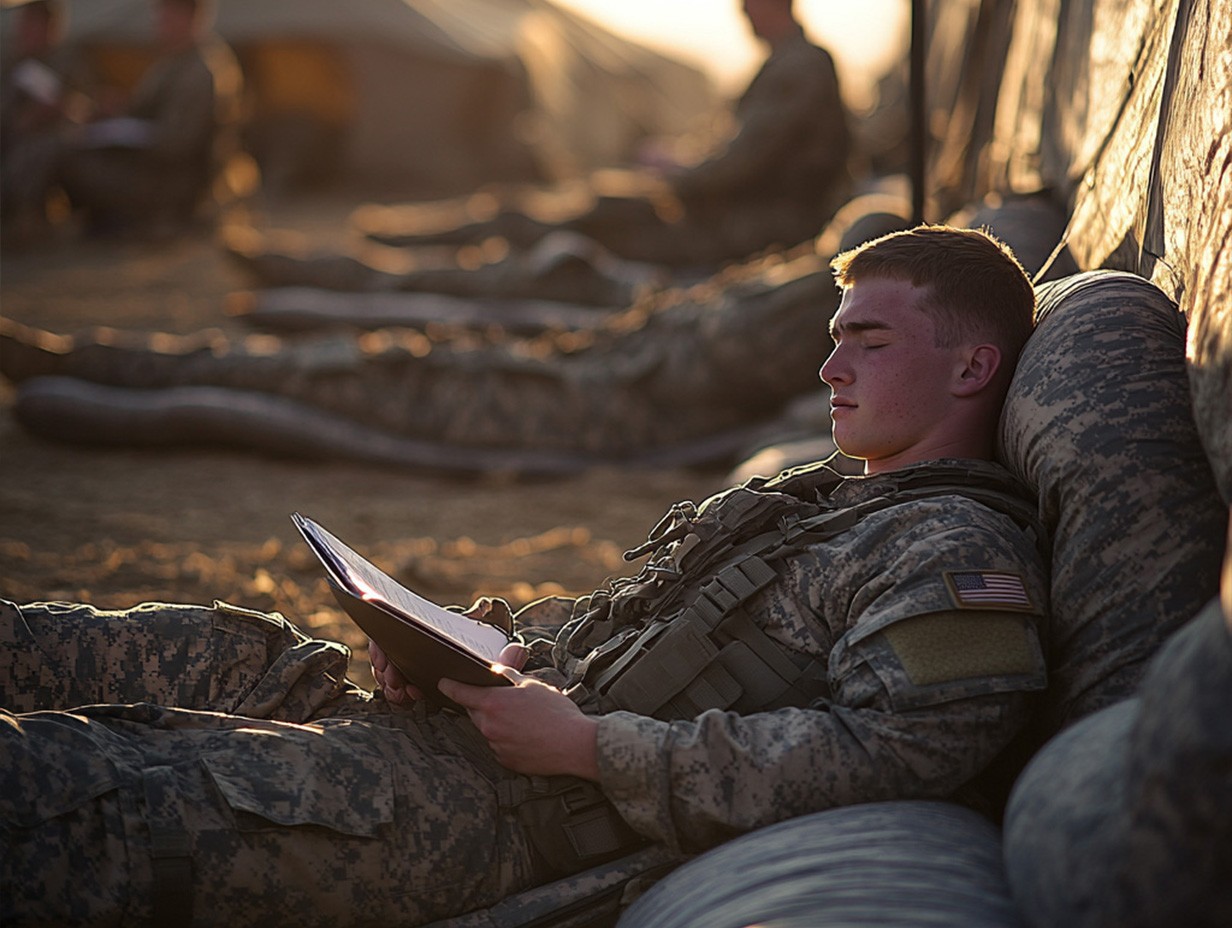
column 118, row 527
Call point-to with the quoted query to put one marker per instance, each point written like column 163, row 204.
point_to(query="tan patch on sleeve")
column 946, row 646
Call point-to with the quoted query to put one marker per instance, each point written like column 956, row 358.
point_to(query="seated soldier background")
column 774, row 183
column 148, row 164
column 43, row 87
column 866, row 638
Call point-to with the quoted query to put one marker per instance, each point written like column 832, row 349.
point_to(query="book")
column 422, row 639
column 117, row 132
column 39, row 81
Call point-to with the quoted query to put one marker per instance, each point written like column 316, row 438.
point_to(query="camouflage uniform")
column 30, row 128
column 662, row 374
column 190, row 101
column 563, row 268
column 321, row 803
column 299, row 795
column 1125, row 819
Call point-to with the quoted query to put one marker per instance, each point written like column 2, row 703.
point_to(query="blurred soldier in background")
column 149, row 165
column 42, row 89
column 775, row 182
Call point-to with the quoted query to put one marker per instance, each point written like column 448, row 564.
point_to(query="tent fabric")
column 1123, row 110
column 446, row 95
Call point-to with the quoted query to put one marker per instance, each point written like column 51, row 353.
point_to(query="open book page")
column 118, row 132
column 38, row 80
column 359, row 576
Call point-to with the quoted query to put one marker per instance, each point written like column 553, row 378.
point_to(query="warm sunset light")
column 864, row 38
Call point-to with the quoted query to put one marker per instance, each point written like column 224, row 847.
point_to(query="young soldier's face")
column 891, row 383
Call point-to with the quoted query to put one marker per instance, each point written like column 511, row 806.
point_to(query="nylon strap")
column 570, row 821
column 711, row 654
column 170, row 850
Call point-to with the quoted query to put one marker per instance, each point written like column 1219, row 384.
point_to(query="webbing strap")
column 741, row 628
column 730, row 587
column 633, row 650
column 709, row 654
column 171, row 895
column 570, row 821
column 676, row 659
column 713, row 688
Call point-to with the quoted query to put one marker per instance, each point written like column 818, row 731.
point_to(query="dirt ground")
column 118, row 527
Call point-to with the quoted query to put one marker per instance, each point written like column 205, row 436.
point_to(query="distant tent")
column 426, row 96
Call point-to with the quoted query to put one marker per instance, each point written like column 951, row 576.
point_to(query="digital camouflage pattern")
column 1099, row 422
column 1126, row 818
column 269, row 808
column 388, row 821
column 217, row 659
column 603, row 893
column 364, row 812
column 919, row 691
column 672, row 371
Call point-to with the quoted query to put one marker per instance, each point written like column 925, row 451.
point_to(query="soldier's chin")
column 846, row 443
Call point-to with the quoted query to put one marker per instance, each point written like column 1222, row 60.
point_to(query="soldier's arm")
column 695, row 784
column 922, row 697
column 184, row 120
column 532, row 728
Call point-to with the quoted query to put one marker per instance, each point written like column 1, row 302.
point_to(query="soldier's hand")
column 532, row 728
column 389, row 678
column 396, row 687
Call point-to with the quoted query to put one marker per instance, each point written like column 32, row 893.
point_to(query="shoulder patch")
column 950, row 646
column 985, row 589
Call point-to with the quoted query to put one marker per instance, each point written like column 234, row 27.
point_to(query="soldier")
column 42, row 90
column 774, row 182
column 151, row 164
column 669, row 379
column 791, row 645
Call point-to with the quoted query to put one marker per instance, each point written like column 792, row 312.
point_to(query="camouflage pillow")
column 1099, row 423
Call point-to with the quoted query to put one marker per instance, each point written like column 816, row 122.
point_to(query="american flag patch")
column 980, row 589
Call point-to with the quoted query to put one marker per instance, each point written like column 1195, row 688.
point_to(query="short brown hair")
column 976, row 285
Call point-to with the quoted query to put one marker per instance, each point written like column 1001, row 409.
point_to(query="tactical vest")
column 676, row 639
column 679, row 639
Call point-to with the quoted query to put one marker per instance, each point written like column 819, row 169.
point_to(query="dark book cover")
column 422, row 639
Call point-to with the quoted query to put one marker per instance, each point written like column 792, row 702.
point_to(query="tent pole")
column 918, row 165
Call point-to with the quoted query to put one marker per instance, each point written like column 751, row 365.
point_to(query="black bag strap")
column 170, row 849
column 708, row 653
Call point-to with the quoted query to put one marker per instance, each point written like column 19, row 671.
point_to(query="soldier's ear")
column 976, row 369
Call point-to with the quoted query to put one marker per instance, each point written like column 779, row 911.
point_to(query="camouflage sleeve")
column 800, row 88
column 929, row 684
column 182, row 110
